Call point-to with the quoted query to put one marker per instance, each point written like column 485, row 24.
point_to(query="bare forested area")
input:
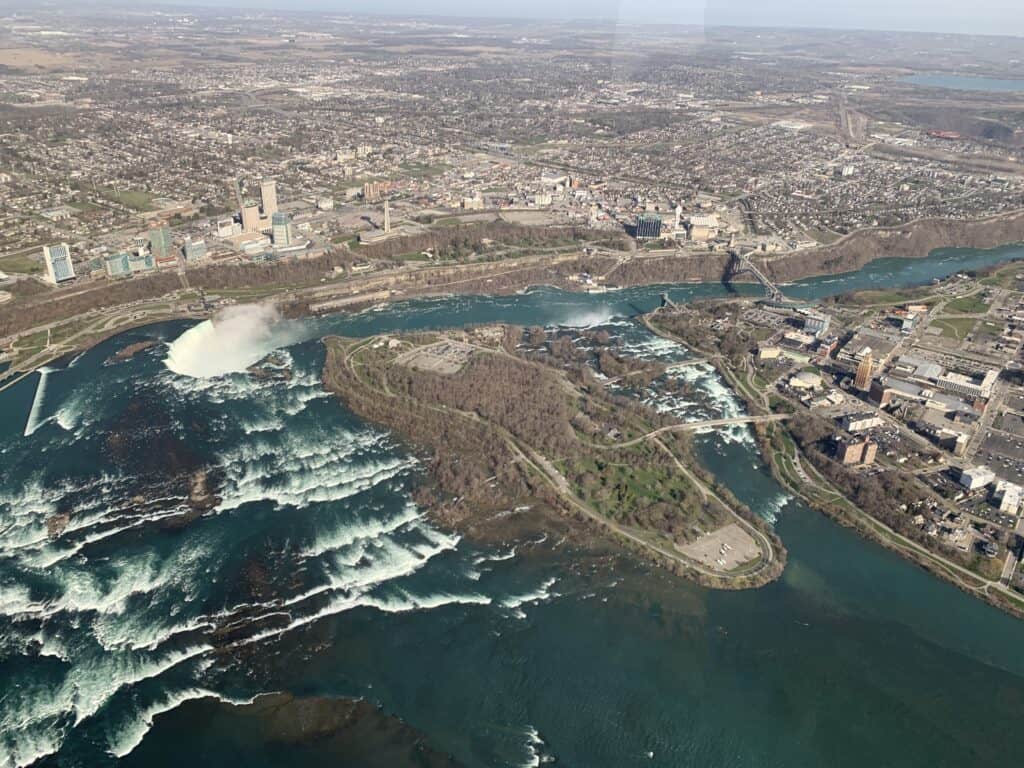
column 695, row 329
column 47, row 306
column 463, row 420
column 464, row 459
column 513, row 394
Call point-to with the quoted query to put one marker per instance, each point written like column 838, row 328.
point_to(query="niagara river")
column 141, row 618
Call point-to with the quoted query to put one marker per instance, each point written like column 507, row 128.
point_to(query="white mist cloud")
column 233, row 340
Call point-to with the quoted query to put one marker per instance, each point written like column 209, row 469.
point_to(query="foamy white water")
column 34, row 422
column 233, row 340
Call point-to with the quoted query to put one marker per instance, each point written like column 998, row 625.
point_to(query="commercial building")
column 703, row 228
column 976, row 477
column 797, row 339
column 806, row 380
column 648, row 226
column 117, row 265
column 865, row 371
column 861, row 422
column 866, row 340
column 226, row 227
column 268, row 196
column 253, row 244
column 281, row 230
column 195, row 250
column 373, row 191
column 160, row 245
column 251, row 217
column 262, row 257
column 141, row 262
column 1007, row 496
column 970, row 386
column 925, row 370
column 857, row 452
column 59, row 268
column 816, row 323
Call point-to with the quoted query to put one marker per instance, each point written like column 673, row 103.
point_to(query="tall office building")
column 117, row 265
column 648, row 226
column 58, row 263
column 387, row 215
column 160, row 243
column 251, row 217
column 865, row 369
column 195, row 250
column 141, row 262
column 282, row 229
column 268, row 196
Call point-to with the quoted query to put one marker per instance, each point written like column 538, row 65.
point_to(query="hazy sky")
column 978, row 16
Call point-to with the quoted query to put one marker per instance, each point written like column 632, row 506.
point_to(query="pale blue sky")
column 977, row 16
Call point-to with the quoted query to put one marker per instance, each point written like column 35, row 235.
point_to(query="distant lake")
column 966, row 83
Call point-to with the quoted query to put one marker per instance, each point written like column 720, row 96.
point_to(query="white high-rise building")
column 268, row 196
column 251, row 217
column 58, row 263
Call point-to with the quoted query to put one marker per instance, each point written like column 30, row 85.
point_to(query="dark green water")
column 332, row 584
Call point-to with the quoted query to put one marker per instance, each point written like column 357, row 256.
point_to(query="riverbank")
column 792, row 470
column 289, row 284
column 84, row 340
column 326, row 579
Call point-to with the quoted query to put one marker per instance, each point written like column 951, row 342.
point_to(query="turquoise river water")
column 316, row 574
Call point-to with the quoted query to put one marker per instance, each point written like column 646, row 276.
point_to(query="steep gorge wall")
column 915, row 240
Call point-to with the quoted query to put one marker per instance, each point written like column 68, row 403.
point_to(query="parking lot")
column 1004, row 455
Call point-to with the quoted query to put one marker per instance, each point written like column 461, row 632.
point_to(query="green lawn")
column 955, row 328
column 248, row 293
column 36, row 341
column 907, row 296
column 130, row 198
column 423, row 170
column 1004, row 277
column 614, row 488
column 968, row 305
column 823, row 236
column 86, row 207
column 21, row 263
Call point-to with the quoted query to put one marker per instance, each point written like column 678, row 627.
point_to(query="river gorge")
column 144, row 627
